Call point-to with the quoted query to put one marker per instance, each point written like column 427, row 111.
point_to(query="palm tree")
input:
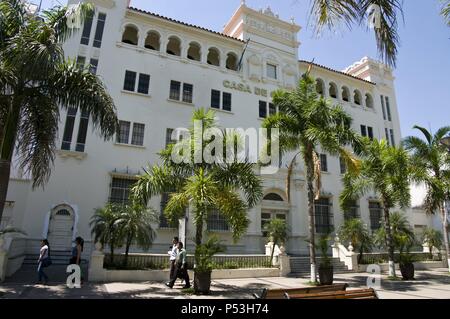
column 307, row 121
column 135, row 222
column 432, row 238
column 385, row 170
column 402, row 233
column 105, row 227
column 36, row 82
column 330, row 13
column 203, row 187
column 277, row 232
column 432, row 162
column 356, row 232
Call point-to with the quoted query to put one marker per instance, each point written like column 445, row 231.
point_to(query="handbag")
column 46, row 262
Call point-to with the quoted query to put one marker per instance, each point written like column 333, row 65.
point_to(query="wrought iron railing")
column 379, row 258
column 160, row 262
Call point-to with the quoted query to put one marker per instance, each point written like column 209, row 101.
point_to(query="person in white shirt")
column 173, row 256
column 43, row 261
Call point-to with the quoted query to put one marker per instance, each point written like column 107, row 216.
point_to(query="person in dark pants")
column 181, row 270
column 43, row 261
column 173, row 256
column 76, row 253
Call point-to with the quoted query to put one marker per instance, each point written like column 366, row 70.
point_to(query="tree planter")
column 202, row 282
column 407, row 270
column 326, row 275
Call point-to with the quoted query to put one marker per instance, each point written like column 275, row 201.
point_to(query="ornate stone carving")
column 98, row 247
column 267, row 27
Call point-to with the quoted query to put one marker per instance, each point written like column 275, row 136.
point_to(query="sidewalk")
column 428, row 285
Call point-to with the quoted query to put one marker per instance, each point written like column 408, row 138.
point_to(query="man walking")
column 173, row 256
column 181, row 269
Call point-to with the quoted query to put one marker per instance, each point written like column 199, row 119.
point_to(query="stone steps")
column 301, row 266
column 58, row 258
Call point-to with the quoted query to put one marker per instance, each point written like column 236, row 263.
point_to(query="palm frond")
column 73, row 87
column 446, row 11
column 37, row 135
column 426, row 133
column 57, row 18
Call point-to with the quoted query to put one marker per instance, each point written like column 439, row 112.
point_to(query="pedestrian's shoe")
column 169, row 285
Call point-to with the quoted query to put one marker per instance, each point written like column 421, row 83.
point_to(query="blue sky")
column 423, row 70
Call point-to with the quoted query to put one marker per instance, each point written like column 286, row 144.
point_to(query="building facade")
column 158, row 71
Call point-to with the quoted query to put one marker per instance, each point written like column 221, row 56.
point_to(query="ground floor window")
column 216, row 222
column 120, row 190
column 323, row 215
column 375, row 211
column 352, row 212
column 267, row 216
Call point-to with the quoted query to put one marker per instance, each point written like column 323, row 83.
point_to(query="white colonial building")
column 158, row 70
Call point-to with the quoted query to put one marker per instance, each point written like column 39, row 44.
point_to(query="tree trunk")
column 112, row 253
column 271, row 254
column 389, row 241
column 5, row 169
column 7, row 143
column 127, row 250
column 312, row 230
column 444, row 216
column 198, row 234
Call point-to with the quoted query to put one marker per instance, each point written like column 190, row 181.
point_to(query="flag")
column 242, row 56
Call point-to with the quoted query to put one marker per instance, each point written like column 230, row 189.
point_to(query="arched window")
column 369, row 101
column 130, row 35
column 320, row 87
column 333, row 90
column 174, row 46
column 357, row 97
column 152, row 41
column 194, row 52
column 274, row 197
column 213, row 57
column 63, row 212
column 345, row 94
column 232, row 62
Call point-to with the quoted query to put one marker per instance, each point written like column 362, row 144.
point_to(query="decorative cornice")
column 69, row 154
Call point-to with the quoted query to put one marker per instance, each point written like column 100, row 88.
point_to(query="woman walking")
column 76, row 253
column 43, row 261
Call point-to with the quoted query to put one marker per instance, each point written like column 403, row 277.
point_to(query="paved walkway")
column 428, row 285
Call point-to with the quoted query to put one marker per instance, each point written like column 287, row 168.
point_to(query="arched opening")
column 369, row 101
column 174, row 46
column 345, row 94
column 194, row 52
column 357, row 97
column 333, row 90
column 320, row 87
column 232, row 62
column 152, row 41
column 213, row 57
column 274, row 197
column 60, row 229
column 130, row 35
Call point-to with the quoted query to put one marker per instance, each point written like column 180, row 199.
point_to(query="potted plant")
column 405, row 242
column 407, row 266
column 204, row 264
column 326, row 264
